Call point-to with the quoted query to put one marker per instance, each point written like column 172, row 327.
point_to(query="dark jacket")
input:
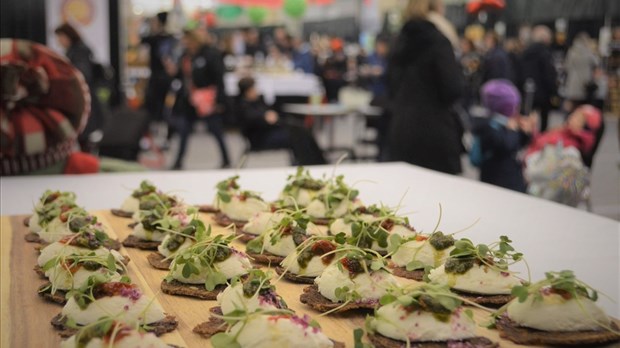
column 207, row 69
column 252, row 117
column 537, row 64
column 497, row 65
column 424, row 82
column 500, row 146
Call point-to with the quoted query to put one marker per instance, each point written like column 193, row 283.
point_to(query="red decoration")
column 321, row 2
column 255, row 3
column 210, row 19
column 476, row 6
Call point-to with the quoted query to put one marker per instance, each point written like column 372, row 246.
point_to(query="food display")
column 246, row 272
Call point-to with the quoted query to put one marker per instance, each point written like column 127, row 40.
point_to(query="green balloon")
column 295, row 8
column 228, row 12
column 257, row 14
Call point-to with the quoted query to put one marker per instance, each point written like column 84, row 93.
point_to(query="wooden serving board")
column 25, row 318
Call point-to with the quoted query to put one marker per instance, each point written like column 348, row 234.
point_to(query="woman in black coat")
column 424, row 82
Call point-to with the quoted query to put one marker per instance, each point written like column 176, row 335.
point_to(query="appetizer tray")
column 25, row 317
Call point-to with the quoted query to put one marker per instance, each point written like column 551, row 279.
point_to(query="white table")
column 552, row 236
column 271, row 85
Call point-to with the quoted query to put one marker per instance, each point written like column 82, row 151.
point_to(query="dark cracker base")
column 207, row 208
column 27, row 221
column 191, row 290
column 121, row 213
column 58, row 297
column 245, row 237
column 159, row 261
column 380, row 341
column 212, row 326
column 266, row 258
column 402, row 272
column 521, row 335
column 321, row 221
column 313, row 298
column 224, row 221
column 135, row 242
column 34, row 238
column 293, row 277
column 168, row 324
column 38, row 270
column 494, row 301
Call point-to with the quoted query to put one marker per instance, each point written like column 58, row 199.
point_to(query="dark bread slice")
column 34, row 238
column 494, row 301
column 266, row 258
column 417, row 274
column 294, row 277
column 313, row 298
column 509, row 330
column 321, row 221
column 135, row 242
column 27, row 221
column 224, row 221
column 213, row 325
column 132, row 225
column 380, row 341
column 159, row 261
column 168, row 324
column 207, row 208
column 45, row 291
column 121, row 213
column 177, row 288
column 245, row 237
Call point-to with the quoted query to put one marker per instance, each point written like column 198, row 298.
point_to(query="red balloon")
column 210, row 19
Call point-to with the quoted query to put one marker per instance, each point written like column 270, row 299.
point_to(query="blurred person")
column 581, row 61
column 282, row 40
column 579, row 131
column 302, row 56
column 496, row 62
column 81, row 56
column 43, row 107
column 471, row 64
column 437, row 17
column 201, row 95
column 161, row 48
column 253, row 43
column 375, row 72
column 277, row 61
column 263, row 128
column 334, row 70
column 536, row 64
column 425, row 81
column 502, row 135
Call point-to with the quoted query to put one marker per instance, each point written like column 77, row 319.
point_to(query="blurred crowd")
column 432, row 86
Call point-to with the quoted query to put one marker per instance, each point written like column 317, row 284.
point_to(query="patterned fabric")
column 44, row 105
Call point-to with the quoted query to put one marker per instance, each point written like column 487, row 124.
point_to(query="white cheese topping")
column 232, row 298
column 33, row 223
column 62, row 279
column 314, row 268
column 54, row 231
column 317, row 209
column 302, row 198
column 131, row 204
column 421, row 251
column 141, row 233
column 143, row 310
column 57, row 249
column 369, row 286
column 262, row 222
column 478, row 279
column 554, row 313
column 395, row 322
column 129, row 339
column 262, row 331
column 166, row 252
column 235, row 265
column 240, row 210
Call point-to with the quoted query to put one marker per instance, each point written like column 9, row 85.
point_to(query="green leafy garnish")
column 498, row 256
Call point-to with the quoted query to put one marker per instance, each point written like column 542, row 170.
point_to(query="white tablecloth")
column 551, row 236
column 273, row 85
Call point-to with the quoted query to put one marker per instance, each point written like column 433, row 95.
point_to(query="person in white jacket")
column 580, row 64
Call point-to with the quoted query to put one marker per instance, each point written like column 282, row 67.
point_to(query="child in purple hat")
column 501, row 136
